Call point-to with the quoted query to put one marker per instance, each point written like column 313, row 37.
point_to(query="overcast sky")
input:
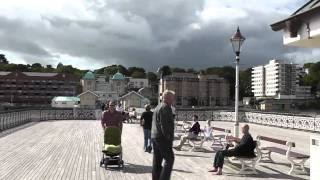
column 90, row 34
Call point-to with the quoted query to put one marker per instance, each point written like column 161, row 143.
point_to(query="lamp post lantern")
column 237, row 40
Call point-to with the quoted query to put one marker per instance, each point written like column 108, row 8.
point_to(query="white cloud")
column 303, row 56
column 34, row 9
column 138, row 32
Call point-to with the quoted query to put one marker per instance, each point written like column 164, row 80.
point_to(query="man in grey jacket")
column 162, row 134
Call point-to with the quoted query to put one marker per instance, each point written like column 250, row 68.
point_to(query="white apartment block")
column 279, row 80
column 258, row 81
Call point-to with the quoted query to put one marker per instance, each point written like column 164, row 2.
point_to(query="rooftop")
column 89, row 76
column 66, row 99
column 118, row 76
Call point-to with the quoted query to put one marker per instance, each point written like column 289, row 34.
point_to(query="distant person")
column 111, row 117
column 133, row 113
column 146, row 123
column 103, row 105
column 173, row 111
column 207, row 130
column 162, row 134
column 119, row 108
column 98, row 114
column 192, row 133
column 245, row 147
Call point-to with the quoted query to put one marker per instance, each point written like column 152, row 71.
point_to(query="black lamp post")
column 237, row 40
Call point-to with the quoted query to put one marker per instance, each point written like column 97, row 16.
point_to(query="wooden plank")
column 278, row 141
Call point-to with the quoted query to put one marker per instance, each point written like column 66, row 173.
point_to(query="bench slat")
column 221, row 129
column 273, row 140
column 283, row 152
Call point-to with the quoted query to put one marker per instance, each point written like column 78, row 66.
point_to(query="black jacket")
column 146, row 117
column 162, row 123
column 195, row 129
column 246, row 146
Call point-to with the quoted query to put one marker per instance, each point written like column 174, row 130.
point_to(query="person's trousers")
column 162, row 151
column 219, row 157
column 184, row 138
column 147, row 139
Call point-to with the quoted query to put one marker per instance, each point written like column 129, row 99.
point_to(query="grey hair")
column 168, row 92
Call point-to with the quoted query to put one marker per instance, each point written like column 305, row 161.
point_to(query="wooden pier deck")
column 71, row 149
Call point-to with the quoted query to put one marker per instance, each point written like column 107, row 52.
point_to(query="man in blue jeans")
column 162, row 134
column 146, row 123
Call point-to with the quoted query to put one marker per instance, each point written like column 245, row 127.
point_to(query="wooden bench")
column 219, row 137
column 197, row 143
column 248, row 164
column 183, row 126
column 296, row 159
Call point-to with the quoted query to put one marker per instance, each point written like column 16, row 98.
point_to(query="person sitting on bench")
column 245, row 147
column 193, row 133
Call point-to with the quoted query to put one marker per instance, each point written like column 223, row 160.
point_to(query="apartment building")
column 279, row 80
column 34, row 87
column 201, row 90
column 258, row 81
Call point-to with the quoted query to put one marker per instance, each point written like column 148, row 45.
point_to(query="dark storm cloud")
column 145, row 33
column 10, row 40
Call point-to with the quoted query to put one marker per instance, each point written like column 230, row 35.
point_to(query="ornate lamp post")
column 237, row 40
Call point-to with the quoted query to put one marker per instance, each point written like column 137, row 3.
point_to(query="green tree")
column 36, row 67
column 138, row 74
column 165, row 70
column 59, row 65
column 177, row 70
column 3, row 59
column 49, row 68
column 8, row 67
column 313, row 78
column 100, row 71
column 245, row 83
column 111, row 70
column 23, row 68
column 191, row 70
column 137, row 70
column 152, row 77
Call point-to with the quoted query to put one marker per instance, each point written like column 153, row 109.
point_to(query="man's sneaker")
column 177, row 148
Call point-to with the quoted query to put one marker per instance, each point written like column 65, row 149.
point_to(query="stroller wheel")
column 121, row 164
column 106, row 161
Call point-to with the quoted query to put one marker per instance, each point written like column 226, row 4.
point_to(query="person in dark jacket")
column 193, row 133
column 146, row 123
column 162, row 134
column 245, row 147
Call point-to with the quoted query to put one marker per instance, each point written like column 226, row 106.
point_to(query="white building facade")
column 258, row 81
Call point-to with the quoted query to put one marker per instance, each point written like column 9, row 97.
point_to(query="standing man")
column 162, row 134
column 146, row 123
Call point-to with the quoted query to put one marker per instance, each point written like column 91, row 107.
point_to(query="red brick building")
column 34, row 87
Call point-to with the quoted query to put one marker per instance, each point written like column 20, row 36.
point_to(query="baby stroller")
column 112, row 150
